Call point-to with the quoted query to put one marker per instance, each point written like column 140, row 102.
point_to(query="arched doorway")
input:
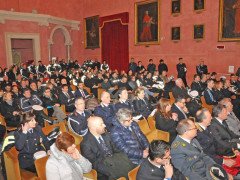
column 59, row 38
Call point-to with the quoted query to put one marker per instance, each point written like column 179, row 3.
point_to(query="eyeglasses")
column 192, row 129
column 129, row 120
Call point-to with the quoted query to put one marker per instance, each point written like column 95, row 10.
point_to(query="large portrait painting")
column 229, row 23
column 91, row 31
column 198, row 32
column 147, row 22
column 176, row 6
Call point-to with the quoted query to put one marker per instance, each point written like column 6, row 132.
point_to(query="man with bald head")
column 98, row 147
column 106, row 110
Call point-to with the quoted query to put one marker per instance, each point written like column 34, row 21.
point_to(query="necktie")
column 105, row 148
column 136, row 137
column 210, row 94
column 83, row 93
column 30, row 131
column 83, row 114
column 67, row 95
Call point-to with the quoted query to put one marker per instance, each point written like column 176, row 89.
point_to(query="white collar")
column 159, row 166
column 122, row 101
column 202, row 126
column 104, row 105
column 187, row 140
column 80, row 112
column 220, row 121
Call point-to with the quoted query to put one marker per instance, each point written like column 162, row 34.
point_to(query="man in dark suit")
column 208, row 93
column 78, row 119
column 132, row 65
column 180, row 90
column 151, row 67
column 196, row 85
column 162, row 67
column 206, row 139
column 123, row 101
column 98, row 147
column 81, row 92
column 179, row 107
column 226, row 140
column 202, row 68
column 106, row 110
column 158, row 166
column 67, row 98
column 187, row 154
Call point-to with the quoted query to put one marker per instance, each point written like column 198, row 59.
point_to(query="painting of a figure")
column 176, row 33
column 176, row 6
column 147, row 22
column 91, row 31
column 198, row 32
column 199, row 5
column 229, row 23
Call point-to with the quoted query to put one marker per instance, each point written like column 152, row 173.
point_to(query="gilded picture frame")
column 198, row 32
column 147, row 22
column 229, row 20
column 199, row 5
column 176, row 33
column 91, row 32
column 176, row 7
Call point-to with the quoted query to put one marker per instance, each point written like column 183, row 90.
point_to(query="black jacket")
column 142, row 107
column 225, row 138
column 180, row 114
column 93, row 151
column 148, row 171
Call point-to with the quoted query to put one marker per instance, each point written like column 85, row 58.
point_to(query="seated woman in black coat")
column 165, row 119
column 218, row 92
column 10, row 110
column 141, row 104
column 29, row 139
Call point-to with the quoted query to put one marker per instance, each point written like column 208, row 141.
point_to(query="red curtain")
column 114, row 35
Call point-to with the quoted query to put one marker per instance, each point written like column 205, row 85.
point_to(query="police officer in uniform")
column 187, row 154
column 29, row 139
column 182, row 71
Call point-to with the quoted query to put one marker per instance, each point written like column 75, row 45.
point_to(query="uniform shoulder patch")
column 183, row 144
column 176, row 144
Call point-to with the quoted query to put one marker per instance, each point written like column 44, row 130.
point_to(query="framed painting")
column 198, row 32
column 147, row 22
column 199, row 5
column 229, row 22
column 91, row 32
column 176, row 7
column 175, row 33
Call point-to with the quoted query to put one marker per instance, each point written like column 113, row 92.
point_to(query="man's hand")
column 229, row 162
column 185, row 109
column 145, row 153
column 168, row 170
column 15, row 113
column 175, row 116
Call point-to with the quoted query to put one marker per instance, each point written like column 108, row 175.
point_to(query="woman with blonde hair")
column 141, row 104
column 65, row 162
column 165, row 119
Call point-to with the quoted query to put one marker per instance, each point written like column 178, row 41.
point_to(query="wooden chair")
column 143, row 125
column 88, row 89
column 41, row 169
column 64, row 109
column 132, row 175
column 91, row 175
column 3, row 122
column 172, row 99
column 205, row 105
column 40, row 165
column 74, row 88
column 14, row 172
column 152, row 122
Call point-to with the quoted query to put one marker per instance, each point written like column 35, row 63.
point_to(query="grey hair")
column 183, row 126
column 123, row 114
column 76, row 100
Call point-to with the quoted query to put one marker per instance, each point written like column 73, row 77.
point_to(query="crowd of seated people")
column 128, row 98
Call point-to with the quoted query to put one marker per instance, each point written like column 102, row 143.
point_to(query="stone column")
column 50, row 50
column 68, row 45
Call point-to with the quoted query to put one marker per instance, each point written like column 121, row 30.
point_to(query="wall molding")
column 41, row 19
column 36, row 45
